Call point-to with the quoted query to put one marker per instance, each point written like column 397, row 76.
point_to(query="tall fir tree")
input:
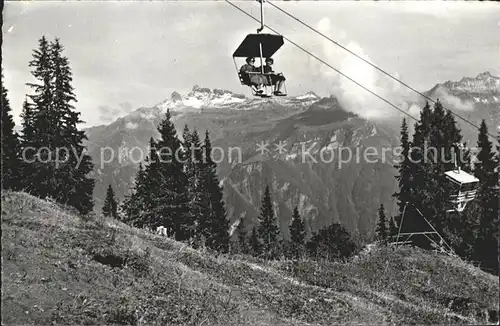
column 11, row 161
column 485, row 169
column 39, row 119
column 152, row 188
column 110, row 208
column 27, row 152
column 218, row 223
column 172, row 200
column 435, row 139
column 268, row 227
column 405, row 168
column 77, row 186
column 44, row 119
column 198, row 187
column 61, row 170
column 297, row 235
column 381, row 229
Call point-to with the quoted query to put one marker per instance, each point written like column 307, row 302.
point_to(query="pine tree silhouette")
column 27, row 138
column 133, row 206
column 218, row 224
column 434, row 143
column 485, row 169
column 268, row 228
column 297, row 234
column 172, row 200
column 381, row 224
column 406, row 170
column 11, row 161
column 110, row 208
column 198, row 188
column 393, row 229
column 50, row 121
column 38, row 177
column 77, row 187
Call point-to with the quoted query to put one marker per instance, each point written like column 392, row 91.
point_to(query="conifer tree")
column 218, row 224
column 172, row 202
column 485, row 164
column 11, row 162
column 405, row 169
column 268, row 228
column 50, row 121
column 110, row 208
column 436, row 137
column 485, row 169
column 198, row 188
column 393, row 229
column 189, row 166
column 77, row 186
column 44, row 119
column 133, row 206
column 27, row 155
column 382, row 224
column 152, row 187
column 39, row 120
column 297, row 234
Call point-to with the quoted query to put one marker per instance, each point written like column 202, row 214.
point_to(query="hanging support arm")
column 261, row 16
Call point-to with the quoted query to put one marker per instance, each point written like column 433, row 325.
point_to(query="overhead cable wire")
column 326, row 63
column 373, row 65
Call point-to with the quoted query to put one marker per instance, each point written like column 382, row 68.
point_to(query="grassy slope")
column 51, row 273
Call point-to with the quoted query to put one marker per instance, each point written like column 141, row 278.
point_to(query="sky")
column 129, row 54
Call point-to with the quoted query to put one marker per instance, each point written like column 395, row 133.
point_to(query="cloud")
column 104, row 118
column 453, row 101
column 108, row 113
column 103, row 109
column 353, row 97
column 126, row 107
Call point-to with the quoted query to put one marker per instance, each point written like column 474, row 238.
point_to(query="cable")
column 327, row 64
column 371, row 64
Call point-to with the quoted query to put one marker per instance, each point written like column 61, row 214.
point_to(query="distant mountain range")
column 325, row 190
column 474, row 99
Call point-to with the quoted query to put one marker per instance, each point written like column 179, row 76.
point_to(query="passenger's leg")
column 281, row 82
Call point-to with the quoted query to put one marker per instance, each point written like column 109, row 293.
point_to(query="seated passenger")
column 275, row 79
column 256, row 80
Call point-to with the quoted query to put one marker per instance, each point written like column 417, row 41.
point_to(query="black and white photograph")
column 250, row 162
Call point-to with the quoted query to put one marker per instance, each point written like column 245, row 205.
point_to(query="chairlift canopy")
column 461, row 177
column 250, row 47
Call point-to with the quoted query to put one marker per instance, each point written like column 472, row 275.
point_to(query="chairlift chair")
column 257, row 45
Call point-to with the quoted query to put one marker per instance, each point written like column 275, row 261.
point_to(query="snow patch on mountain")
column 131, row 125
column 308, row 96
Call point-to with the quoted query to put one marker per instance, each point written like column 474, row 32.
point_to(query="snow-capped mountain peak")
column 200, row 98
column 483, row 83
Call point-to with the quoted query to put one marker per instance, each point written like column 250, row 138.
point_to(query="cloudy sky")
column 130, row 54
